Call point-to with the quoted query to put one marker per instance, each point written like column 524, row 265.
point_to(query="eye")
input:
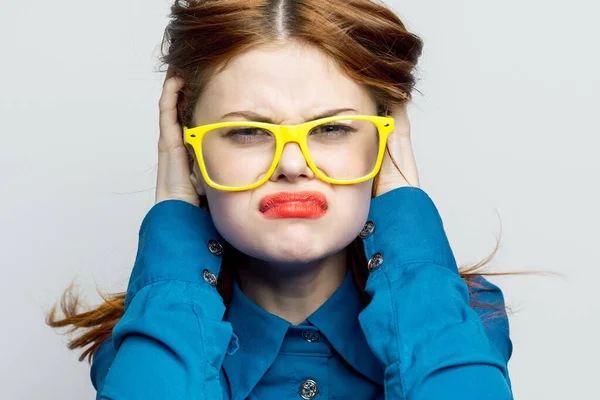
column 246, row 132
column 332, row 130
column 247, row 135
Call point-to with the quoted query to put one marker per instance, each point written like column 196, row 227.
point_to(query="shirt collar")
column 260, row 335
column 337, row 319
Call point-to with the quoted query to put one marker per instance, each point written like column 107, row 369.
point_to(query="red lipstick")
column 294, row 205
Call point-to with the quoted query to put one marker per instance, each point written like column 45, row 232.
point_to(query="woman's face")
column 287, row 84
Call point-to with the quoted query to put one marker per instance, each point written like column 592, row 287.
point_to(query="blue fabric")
column 418, row 338
column 269, row 344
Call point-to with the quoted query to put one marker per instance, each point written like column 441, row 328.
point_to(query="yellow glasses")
column 242, row 155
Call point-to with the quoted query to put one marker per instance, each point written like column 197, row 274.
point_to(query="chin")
column 298, row 250
column 291, row 248
column 307, row 250
column 294, row 254
column 291, row 241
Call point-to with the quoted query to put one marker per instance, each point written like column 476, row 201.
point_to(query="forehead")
column 286, row 82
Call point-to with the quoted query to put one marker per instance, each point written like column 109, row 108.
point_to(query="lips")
column 306, row 204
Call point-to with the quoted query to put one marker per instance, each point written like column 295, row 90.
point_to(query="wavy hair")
column 366, row 40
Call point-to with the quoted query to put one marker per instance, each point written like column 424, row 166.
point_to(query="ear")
column 195, row 174
column 198, row 183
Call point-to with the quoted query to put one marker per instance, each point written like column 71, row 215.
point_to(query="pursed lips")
column 303, row 204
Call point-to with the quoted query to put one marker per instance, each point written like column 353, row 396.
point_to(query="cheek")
column 228, row 211
column 352, row 208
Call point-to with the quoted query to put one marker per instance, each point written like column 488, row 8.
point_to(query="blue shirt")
column 417, row 339
column 328, row 348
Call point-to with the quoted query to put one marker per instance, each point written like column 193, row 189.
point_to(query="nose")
column 292, row 165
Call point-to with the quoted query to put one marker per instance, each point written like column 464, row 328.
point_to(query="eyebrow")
column 252, row 116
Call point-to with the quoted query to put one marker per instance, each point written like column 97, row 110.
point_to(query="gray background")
column 508, row 124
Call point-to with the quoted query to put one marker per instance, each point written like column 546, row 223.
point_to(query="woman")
column 291, row 253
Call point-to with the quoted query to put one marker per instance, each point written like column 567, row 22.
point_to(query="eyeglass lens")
column 238, row 156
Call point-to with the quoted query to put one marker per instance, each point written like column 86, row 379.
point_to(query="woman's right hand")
column 173, row 178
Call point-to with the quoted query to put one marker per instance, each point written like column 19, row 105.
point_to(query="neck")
column 292, row 291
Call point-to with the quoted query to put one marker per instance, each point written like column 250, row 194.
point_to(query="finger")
column 170, row 73
column 170, row 129
column 405, row 158
column 401, row 121
column 400, row 145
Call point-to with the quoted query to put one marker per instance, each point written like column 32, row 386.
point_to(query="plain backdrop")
column 505, row 136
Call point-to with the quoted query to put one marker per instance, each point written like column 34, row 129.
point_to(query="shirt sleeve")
column 171, row 340
column 419, row 323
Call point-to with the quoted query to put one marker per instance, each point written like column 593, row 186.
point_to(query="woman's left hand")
column 400, row 147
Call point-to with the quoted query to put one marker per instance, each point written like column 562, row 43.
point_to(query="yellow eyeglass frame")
column 285, row 134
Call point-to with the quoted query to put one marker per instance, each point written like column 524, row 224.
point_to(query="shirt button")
column 215, row 248
column 375, row 261
column 308, row 389
column 209, row 277
column 367, row 229
column 310, row 335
